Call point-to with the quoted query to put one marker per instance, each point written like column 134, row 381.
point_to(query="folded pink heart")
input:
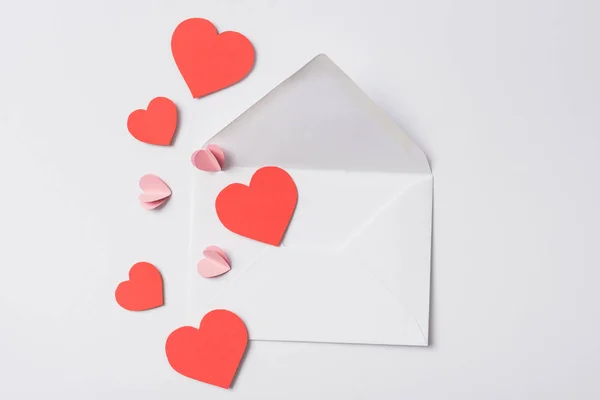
column 155, row 192
column 214, row 263
column 210, row 159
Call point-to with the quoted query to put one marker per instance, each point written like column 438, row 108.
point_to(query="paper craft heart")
column 209, row 61
column 143, row 290
column 212, row 353
column 151, row 205
column 219, row 251
column 157, row 124
column 214, row 264
column 212, row 159
column 218, row 153
column 155, row 191
column 261, row 211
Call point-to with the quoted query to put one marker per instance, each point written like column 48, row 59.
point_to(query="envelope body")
column 354, row 264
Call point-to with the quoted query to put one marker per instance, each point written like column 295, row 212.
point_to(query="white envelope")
column 354, row 263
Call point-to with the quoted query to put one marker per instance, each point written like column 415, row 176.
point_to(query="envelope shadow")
column 431, row 340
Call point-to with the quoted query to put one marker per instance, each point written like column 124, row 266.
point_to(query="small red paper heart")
column 261, row 211
column 209, row 61
column 157, row 124
column 143, row 290
column 212, row 353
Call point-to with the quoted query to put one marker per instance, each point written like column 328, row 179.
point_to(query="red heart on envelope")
column 261, row 211
column 157, row 124
column 143, row 290
column 209, row 61
column 212, row 353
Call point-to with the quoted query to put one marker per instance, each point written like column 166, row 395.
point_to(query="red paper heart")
column 208, row 61
column 143, row 290
column 261, row 211
column 157, row 124
column 212, row 353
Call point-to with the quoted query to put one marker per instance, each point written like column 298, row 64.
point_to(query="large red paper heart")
column 157, row 124
column 261, row 211
column 208, row 61
column 143, row 290
column 212, row 353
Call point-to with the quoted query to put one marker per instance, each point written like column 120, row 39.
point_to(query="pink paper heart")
column 151, row 205
column 213, row 264
column 206, row 161
column 219, row 251
column 218, row 153
column 154, row 189
column 150, row 197
column 194, row 157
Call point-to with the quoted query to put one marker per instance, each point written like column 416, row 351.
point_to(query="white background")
column 503, row 96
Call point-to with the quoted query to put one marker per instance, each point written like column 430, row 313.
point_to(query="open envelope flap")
column 320, row 119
